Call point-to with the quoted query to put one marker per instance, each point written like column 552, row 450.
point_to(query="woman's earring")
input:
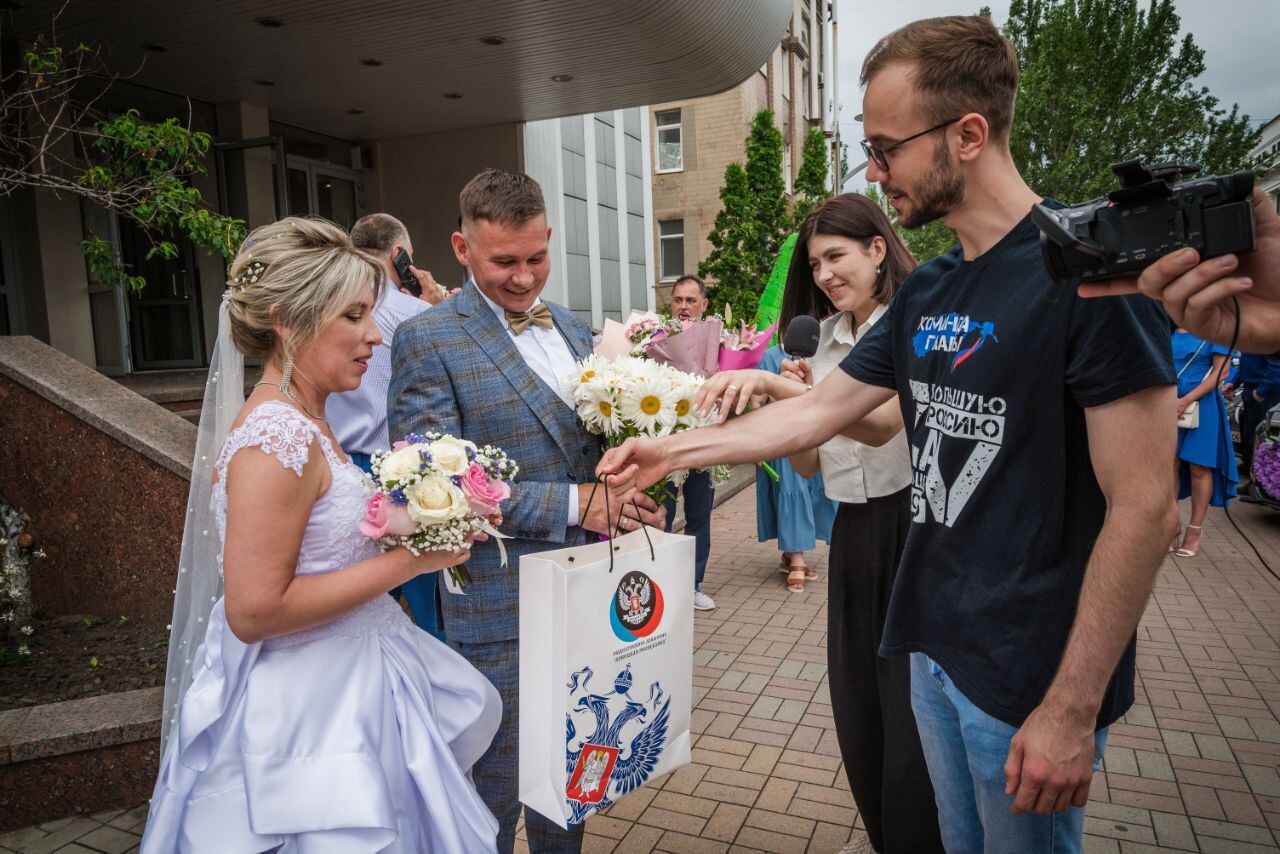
column 284, row 379
column 877, row 269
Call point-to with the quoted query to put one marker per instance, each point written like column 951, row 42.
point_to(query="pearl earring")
column 877, row 269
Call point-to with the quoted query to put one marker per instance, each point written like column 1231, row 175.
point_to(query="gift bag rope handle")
column 609, row 512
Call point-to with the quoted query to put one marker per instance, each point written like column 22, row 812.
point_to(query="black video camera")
column 1151, row 215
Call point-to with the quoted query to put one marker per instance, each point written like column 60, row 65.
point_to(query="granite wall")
column 103, row 473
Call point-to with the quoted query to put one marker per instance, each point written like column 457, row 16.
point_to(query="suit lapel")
column 490, row 335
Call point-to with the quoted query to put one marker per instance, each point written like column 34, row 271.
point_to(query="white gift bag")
column 606, row 670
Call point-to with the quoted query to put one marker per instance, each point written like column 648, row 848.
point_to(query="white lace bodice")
column 332, row 539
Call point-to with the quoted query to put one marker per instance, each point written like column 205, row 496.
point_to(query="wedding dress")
column 355, row 736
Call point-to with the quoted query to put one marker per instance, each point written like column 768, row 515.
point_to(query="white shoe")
column 702, row 602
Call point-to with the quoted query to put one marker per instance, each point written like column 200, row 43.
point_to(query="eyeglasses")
column 878, row 154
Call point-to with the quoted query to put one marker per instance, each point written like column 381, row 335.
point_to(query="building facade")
column 1269, row 147
column 331, row 112
column 694, row 140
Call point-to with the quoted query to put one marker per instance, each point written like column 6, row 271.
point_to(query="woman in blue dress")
column 795, row 510
column 1206, row 464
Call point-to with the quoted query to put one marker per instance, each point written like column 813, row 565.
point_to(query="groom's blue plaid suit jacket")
column 456, row 370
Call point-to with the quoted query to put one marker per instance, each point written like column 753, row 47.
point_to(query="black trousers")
column 870, row 695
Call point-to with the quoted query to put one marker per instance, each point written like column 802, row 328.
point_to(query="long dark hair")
column 856, row 217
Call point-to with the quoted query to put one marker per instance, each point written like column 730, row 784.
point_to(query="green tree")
column 54, row 136
column 811, row 182
column 748, row 231
column 1107, row 80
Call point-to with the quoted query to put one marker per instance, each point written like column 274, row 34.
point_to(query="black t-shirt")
column 995, row 363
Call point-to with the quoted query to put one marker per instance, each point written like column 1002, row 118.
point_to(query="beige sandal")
column 795, row 579
column 785, row 568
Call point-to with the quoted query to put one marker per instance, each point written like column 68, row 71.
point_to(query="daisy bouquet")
column 630, row 396
column 431, row 492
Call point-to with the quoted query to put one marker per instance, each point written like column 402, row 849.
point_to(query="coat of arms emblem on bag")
column 597, row 767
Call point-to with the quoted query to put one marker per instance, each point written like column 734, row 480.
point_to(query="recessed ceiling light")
column 263, row 81
column 372, row 63
column 562, row 78
column 492, row 40
column 270, row 23
column 453, row 96
column 152, row 47
column 355, row 112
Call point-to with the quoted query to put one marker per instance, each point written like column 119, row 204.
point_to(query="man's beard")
column 939, row 192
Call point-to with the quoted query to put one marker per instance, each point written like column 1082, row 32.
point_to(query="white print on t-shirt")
column 948, row 415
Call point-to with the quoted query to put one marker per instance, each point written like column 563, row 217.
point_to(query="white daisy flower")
column 598, row 407
column 650, row 405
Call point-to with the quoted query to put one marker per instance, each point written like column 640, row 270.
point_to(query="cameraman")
column 1198, row 295
column 1040, row 514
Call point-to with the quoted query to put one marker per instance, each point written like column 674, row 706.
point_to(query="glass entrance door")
column 164, row 319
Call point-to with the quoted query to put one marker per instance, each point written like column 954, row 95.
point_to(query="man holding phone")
column 359, row 417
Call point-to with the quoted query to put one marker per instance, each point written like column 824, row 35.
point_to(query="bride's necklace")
column 284, row 389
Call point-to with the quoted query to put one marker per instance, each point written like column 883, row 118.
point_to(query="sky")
column 1241, row 40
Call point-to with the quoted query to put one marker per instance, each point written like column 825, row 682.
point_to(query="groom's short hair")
column 501, row 196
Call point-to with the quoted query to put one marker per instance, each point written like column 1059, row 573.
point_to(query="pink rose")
column 483, row 494
column 395, row 446
column 382, row 517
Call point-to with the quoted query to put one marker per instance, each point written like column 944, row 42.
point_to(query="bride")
column 315, row 717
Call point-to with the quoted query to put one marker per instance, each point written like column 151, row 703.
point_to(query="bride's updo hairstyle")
column 297, row 273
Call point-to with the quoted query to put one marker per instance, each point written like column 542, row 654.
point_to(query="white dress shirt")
column 358, row 417
column 548, row 355
column 851, row 471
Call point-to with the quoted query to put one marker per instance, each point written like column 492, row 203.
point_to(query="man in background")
column 688, row 305
column 359, row 417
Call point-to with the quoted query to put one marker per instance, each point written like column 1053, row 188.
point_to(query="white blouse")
column 851, row 471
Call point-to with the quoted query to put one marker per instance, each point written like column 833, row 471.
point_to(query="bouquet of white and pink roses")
column 433, row 491
column 648, row 329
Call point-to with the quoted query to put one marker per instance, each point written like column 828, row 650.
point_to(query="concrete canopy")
column 319, row 55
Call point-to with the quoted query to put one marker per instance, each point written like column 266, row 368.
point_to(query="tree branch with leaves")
column 55, row 136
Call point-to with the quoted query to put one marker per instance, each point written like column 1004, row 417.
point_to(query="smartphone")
column 408, row 281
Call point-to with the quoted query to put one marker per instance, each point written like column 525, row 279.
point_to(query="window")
column 670, row 142
column 671, row 243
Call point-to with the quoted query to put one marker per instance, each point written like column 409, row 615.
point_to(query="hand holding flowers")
column 437, row 493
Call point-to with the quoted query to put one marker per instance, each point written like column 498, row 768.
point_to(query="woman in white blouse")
column 848, row 263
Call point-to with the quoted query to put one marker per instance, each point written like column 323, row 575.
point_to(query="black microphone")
column 801, row 340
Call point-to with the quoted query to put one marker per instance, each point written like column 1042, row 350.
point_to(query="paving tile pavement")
column 1195, row 766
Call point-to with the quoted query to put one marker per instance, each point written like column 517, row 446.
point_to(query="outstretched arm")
column 1050, row 764
column 777, row 430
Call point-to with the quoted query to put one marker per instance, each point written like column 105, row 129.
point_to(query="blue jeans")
column 965, row 749
column 419, row 592
column 699, row 495
column 497, row 774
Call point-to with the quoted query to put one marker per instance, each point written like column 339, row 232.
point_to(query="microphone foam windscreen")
column 801, row 339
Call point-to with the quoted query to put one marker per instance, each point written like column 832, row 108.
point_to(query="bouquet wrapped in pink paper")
column 431, row 492
column 693, row 349
column 744, row 347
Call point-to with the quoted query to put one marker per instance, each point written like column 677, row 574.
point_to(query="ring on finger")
column 731, row 388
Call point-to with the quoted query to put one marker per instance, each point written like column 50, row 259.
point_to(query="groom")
column 489, row 366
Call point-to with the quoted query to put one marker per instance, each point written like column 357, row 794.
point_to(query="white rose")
column 435, row 499
column 400, row 464
column 450, row 455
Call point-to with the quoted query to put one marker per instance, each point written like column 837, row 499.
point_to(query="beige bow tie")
column 539, row 315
